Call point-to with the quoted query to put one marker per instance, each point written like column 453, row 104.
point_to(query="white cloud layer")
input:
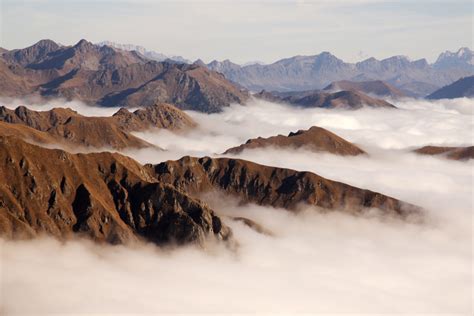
column 315, row 263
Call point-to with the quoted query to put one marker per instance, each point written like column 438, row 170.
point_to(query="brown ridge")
column 104, row 196
column 454, row 153
column 315, row 139
column 374, row 87
column 278, row 187
column 338, row 100
column 70, row 128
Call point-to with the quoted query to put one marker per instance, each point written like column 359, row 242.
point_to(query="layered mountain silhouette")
column 106, row 197
column 112, row 77
column 69, row 128
column 463, row 87
column 278, row 187
column 315, row 139
column 350, row 99
column 454, row 153
column 299, row 73
column 376, row 88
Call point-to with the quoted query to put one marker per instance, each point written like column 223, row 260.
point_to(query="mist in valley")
column 312, row 262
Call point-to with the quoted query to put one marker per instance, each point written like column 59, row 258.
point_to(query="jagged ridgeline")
column 112, row 77
column 71, row 129
column 112, row 198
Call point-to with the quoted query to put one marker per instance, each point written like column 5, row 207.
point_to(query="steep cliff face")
column 265, row 185
column 106, row 197
column 315, row 139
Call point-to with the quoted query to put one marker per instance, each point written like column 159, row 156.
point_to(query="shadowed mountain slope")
column 464, row 87
column 278, row 187
column 107, row 197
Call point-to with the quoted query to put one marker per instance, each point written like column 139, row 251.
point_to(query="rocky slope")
column 316, row 139
column 337, row 100
column 110, row 77
column 106, row 197
column 278, row 187
column 464, row 87
column 69, row 128
column 454, row 153
column 376, row 87
column 301, row 73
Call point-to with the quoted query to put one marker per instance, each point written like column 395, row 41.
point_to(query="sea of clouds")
column 313, row 262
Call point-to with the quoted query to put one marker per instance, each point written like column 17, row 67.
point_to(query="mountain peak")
column 464, row 56
column 83, row 44
column 46, row 43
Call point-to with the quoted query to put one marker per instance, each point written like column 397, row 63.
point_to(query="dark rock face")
column 464, row 87
column 315, row 139
column 112, row 77
column 278, row 187
column 454, row 153
column 338, row 100
column 67, row 127
column 106, row 197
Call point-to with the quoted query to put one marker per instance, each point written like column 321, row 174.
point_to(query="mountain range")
column 108, row 76
column 125, row 75
column 414, row 78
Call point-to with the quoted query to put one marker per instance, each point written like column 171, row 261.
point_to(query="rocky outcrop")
column 106, row 197
column 278, row 187
column 338, row 100
column 67, row 127
column 315, row 139
column 463, row 87
column 160, row 115
column 454, row 153
column 376, row 87
column 112, row 77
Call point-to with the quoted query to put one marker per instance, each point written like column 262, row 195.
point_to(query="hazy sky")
column 248, row 30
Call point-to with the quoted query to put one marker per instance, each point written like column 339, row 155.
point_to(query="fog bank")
column 313, row 263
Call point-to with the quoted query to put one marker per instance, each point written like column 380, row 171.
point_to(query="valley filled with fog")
column 310, row 261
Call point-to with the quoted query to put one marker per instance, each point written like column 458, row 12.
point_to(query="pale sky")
column 245, row 31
